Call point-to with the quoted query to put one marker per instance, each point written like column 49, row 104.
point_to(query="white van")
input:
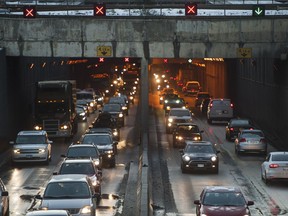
column 219, row 109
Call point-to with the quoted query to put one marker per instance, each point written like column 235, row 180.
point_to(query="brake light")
column 231, row 129
column 211, row 104
column 273, row 165
column 231, row 105
column 242, row 140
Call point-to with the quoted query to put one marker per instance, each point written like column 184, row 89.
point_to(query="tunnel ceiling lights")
column 214, row 59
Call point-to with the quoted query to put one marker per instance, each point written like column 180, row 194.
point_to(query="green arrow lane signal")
column 258, row 10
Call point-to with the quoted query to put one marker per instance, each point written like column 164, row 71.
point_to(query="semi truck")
column 55, row 108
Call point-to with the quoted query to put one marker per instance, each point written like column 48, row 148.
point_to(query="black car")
column 186, row 131
column 105, row 144
column 85, row 150
column 204, row 106
column 171, row 102
column 199, row 156
column 113, row 131
column 234, row 126
column 112, row 113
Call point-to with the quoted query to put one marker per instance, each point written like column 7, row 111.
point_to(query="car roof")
column 254, row 130
column 69, row 178
column 82, row 145
column 77, row 160
column 32, row 132
column 279, row 152
column 222, row 189
column 179, row 109
column 187, row 124
column 47, row 213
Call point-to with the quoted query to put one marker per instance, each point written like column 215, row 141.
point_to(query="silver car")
column 4, row 197
column 31, row 146
column 251, row 140
column 71, row 192
column 275, row 167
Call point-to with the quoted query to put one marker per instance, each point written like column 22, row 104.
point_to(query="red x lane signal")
column 99, row 10
column 29, row 12
column 190, row 9
column 101, row 59
column 126, row 59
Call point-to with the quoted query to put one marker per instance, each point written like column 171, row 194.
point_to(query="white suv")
column 31, row 146
column 175, row 116
column 219, row 109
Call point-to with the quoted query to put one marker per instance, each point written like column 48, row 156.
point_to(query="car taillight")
column 242, row 140
column 263, row 140
column 231, row 105
column 231, row 129
column 273, row 165
column 211, row 105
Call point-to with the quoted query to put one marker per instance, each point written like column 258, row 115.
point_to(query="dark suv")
column 186, row 131
column 199, row 155
column 234, row 126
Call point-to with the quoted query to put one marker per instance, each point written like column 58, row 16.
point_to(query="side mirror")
column 202, row 131
column 181, row 151
column 11, row 142
column 50, row 141
column 62, row 155
column 197, row 202
column 55, row 173
column 38, row 196
column 250, row 203
column 4, row 193
column 115, row 143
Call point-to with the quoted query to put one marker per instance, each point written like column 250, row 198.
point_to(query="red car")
column 222, row 201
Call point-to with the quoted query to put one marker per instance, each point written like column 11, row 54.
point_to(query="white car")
column 30, row 146
column 275, row 167
column 175, row 116
column 72, row 192
column 4, row 201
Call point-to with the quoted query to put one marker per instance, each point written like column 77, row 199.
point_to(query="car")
column 234, row 126
column 48, row 213
column 84, row 105
column 82, row 166
column 112, row 131
column 99, row 96
column 31, row 146
column 175, row 116
column 164, row 92
column 120, row 100
column 251, row 141
column 81, row 114
column 222, row 201
column 199, row 156
column 275, row 167
column 88, row 95
column 170, row 103
column 204, row 106
column 4, row 201
column 85, row 150
column 191, row 88
column 186, row 131
column 72, row 192
column 112, row 113
column 200, row 97
column 105, row 144
column 220, row 109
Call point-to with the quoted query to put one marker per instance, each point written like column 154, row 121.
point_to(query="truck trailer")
column 55, row 108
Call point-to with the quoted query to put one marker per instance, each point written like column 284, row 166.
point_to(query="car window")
column 199, row 149
column 66, row 190
column 252, row 134
column 239, row 122
column 77, row 168
column 224, row 199
column 97, row 139
column 221, row 102
column 179, row 113
column 280, row 157
column 27, row 139
column 82, row 152
column 188, row 129
column 111, row 108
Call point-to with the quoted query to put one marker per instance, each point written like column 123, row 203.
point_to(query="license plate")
column 225, row 111
column 200, row 165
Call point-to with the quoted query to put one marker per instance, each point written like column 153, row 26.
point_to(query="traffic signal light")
column 29, row 12
column 99, row 10
column 190, row 9
column 126, row 59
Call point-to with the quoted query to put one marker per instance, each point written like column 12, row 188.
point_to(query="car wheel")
column 266, row 181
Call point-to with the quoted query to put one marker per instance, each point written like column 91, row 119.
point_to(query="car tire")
column 266, row 181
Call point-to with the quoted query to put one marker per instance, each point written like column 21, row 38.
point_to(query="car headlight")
column 44, row 208
column 168, row 108
column 85, row 210
column 166, row 101
column 115, row 133
column 64, row 127
column 179, row 137
column 170, row 120
column 41, row 151
column 213, row 158
column 161, row 98
column 95, row 181
column 97, row 162
column 82, row 114
column 120, row 115
column 91, row 104
column 38, row 127
column 196, row 138
column 16, row 151
column 124, row 108
column 186, row 158
column 109, row 151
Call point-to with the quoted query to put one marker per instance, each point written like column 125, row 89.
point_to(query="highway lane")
column 24, row 181
column 180, row 190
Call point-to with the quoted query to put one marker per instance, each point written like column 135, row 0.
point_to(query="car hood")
column 224, row 210
column 200, row 155
column 105, row 147
column 29, row 146
column 180, row 117
column 65, row 203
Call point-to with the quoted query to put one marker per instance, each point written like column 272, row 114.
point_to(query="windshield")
column 224, row 199
column 85, row 152
column 84, row 96
column 51, row 108
column 179, row 113
column 97, row 139
column 111, row 108
column 66, row 190
column 77, row 168
column 32, row 139
column 188, row 129
column 199, row 149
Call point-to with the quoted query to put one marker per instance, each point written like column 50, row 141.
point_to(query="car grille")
column 180, row 121
column 196, row 162
column 29, row 151
column 51, row 126
column 73, row 211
